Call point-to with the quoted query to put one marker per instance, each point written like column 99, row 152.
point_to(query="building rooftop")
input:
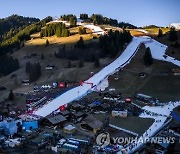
column 56, row 119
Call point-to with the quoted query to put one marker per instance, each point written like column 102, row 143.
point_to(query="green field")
column 132, row 123
column 154, row 31
column 164, row 87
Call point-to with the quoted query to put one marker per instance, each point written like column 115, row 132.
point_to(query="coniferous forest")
column 108, row 46
column 58, row 29
column 13, row 36
column 11, row 39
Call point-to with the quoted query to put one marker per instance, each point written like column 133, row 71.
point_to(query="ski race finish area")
column 157, row 50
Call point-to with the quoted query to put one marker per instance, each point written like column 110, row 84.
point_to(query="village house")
column 57, row 120
column 91, row 124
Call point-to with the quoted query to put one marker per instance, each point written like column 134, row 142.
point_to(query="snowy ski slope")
column 157, row 50
column 160, row 118
column 95, row 29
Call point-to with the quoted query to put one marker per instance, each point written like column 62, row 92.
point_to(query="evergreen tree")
column 38, row 67
column 47, row 42
column 148, row 60
column 96, row 62
column 160, row 32
column 65, row 33
column 176, row 45
column 34, row 71
column 42, row 56
column 58, row 32
column 83, row 16
column 8, row 64
column 55, row 55
column 32, row 76
column 80, row 43
column 73, row 21
column 69, row 64
column 81, row 63
column 28, row 67
column 173, row 35
column 82, row 31
column 11, row 95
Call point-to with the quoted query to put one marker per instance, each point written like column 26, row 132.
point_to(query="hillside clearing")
column 59, row 40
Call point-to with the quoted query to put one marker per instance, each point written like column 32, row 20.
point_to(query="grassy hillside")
column 154, row 31
column 15, row 21
column 57, row 40
column 158, row 81
column 61, row 73
column 128, row 83
column 150, row 31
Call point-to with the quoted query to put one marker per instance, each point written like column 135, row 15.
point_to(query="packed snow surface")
column 159, row 114
column 95, row 29
column 157, row 50
column 143, row 31
column 175, row 25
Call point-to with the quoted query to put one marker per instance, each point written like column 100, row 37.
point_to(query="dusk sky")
column 137, row 12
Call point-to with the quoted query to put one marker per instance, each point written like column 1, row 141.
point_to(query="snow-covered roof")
column 69, row 127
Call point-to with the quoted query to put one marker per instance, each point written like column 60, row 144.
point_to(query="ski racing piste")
column 157, row 50
column 160, row 115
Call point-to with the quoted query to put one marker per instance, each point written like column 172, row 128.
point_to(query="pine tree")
column 160, row 32
column 96, row 62
column 81, row 63
column 148, row 60
column 47, row 42
column 82, row 31
column 83, row 16
column 69, row 64
column 34, row 71
column 42, row 56
column 80, row 43
column 65, row 33
column 28, row 67
column 73, row 21
column 11, row 95
column 173, row 35
column 38, row 67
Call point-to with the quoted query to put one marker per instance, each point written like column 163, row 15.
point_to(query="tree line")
column 15, row 42
column 8, row 65
column 126, row 25
column 111, row 44
column 15, row 21
column 173, row 34
column 58, row 29
column 99, row 19
column 82, row 30
column 108, row 46
column 71, row 18
column 96, row 19
column 80, row 51
column 34, row 71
